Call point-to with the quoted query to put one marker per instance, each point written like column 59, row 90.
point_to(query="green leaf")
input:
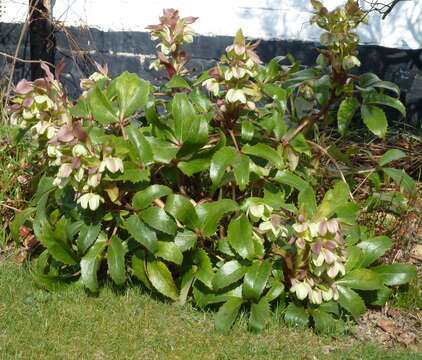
column 368, row 79
column 116, row 260
column 204, row 272
column 279, row 124
column 139, row 268
column 169, row 251
column 330, row 307
column 194, row 166
column 355, row 258
column 41, row 219
column 276, row 289
column 374, row 248
column 351, row 301
column 163, row 151
column 294, row 181
column 186, row 124
column 396, row 274
column 265, row 152
column 300, row 145
column 227, row 314
column 132, row 93
column 333, row 200
column 380, row 297
column 345, row 113
column 402, row 179
column 220, row 161
column 161, row 278
column 239, row 235
column 241, row 171
column 260, row 315
column 391, row 155
column 247, row 130
column 296, row 316
column 383, row 99
column 143, row 199
column 182, row 209
column 158, row 219
column 256, row 279
column 361, row 279
column 177, row 82
column 142, row 146
column 87, row 236
column 186, row 283
column 101, row 108
column 211, row 213
column 91, row 262
column 229, row 273
column 58, row 250
column 131, row 174
column 44, row 187
column 307, row 201
column 276, row 92
column 142, row 233
column 185, row 240
column 18, row 221
column 375, row 120
column 325, row 324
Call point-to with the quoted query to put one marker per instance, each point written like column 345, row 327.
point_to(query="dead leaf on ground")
column 416, row 252
column 387, row 325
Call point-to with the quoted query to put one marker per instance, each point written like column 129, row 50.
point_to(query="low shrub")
column 209, row 188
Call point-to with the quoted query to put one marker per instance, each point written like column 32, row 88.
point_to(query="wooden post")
column 41, row 36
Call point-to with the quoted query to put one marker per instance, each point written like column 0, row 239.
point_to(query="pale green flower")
column 90, row 200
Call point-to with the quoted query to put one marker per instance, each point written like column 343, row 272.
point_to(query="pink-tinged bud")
column 64, row 171
column 41, row 83
column 301, row 227
column 76, row 163
column 300, row 243
column 93, row 170
column 301, row 218
column 190, row 19
column 276, row 220
column 330, row 245
column 48, row 75
column 323, row 228
column 329, row 257
column 24, row 87
column 14, row 107
column 332, row 226
column 79, row 132
column 28, row 101
column 65, row 134
column 316, row 247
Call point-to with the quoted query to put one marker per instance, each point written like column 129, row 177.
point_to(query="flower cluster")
column 234, row 76
column 270, row 224
column 94, row 78
column 82, row 164
column 172, row 32
column 40, row 105
column 321, row 254
column 339, row 36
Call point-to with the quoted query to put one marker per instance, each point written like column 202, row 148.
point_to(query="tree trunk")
column 41, row 36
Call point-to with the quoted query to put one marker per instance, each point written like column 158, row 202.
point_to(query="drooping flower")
column 113, row 164
column 90, row 200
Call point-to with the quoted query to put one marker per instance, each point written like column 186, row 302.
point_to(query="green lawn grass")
column 132, row 325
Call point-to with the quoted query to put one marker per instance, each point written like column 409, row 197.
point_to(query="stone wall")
column 133, row 51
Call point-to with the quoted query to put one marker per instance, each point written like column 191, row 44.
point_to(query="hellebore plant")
column 204, row 190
